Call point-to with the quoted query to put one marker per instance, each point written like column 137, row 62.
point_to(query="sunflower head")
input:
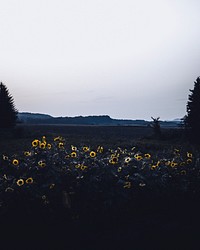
column 29, row 180
column 15, row 162
column 35, row 143
column 93, row 154
column 20, row 182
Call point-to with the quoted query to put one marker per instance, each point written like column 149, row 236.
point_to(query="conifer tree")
column 192, row 119
column 8, row 112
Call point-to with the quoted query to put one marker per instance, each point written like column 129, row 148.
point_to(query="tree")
column 8, row 112
column 192, row 119
column 156, row 127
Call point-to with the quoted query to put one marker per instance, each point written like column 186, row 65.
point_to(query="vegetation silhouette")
column 8, row 112
column 192, row 119
column 156, row 127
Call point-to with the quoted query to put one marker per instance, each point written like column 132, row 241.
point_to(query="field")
column 77, row 186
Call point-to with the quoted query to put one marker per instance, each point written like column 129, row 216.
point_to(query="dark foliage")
column 192, row 119
column 8, row 112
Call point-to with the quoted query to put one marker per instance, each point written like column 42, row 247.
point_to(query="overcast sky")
column 123, row 58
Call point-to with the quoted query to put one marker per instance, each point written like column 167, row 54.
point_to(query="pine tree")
column 8, row 112
column 192, row 119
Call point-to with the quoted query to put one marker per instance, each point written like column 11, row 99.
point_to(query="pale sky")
column 129, row 59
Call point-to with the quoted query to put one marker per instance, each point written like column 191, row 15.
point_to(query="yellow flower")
column 119, row 169
column 158, row 163
column 58, row 138
column 147, row 156
column 85, row 149
column 49, row 146
column 92, row 154
column 138, row 157
column 41, row 164
column 113, row 160
column 127, row 184
column 83, row 167
column 61, row 145
column 20, row 182
column 77, row 165
column 153, row 167
column 182, row 163
column 29, row 180
column 35, row 143
column 73, row 154
column 26, row 153
column 189, row 155
column 127, row 159
column 15, row 162
column 42, row 145
column 73, row 148
column 173, row 164
column 100, row 149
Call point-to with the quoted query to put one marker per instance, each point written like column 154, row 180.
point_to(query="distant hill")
column 103, row 120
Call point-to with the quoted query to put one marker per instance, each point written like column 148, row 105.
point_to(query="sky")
column 129, row 59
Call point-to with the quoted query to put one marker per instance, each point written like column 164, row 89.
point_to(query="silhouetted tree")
column 192, row 119
column 8, row 112
column 156, row 127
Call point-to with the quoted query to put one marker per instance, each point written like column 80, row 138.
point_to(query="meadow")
column 100, row 183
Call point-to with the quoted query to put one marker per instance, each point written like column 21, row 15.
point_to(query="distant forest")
column 34, row 118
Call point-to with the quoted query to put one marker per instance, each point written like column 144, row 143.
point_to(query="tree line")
column 191, row 121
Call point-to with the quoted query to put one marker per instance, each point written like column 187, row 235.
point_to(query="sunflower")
column 73, row 148
column 189, row 155
column 138, row 157
column 35, row 143
column 77, row 165
column 42, row 145
column 173, row 164
column 15, row 162
column 41, row 164
column 153, row 167
column 58, row 138
column 27, row 153
column 20, row 182
column 61, row 145
column 147, row 156
column 113, row 160
column 100, row 149
column 119, row 169
column 93, row 154
column 83, row 167
column 29, row 180
column 127, row 159
column 85, row 148
column 73, row 154
column 49, row 146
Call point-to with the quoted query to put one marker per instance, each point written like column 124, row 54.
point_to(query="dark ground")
column 148, row 222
